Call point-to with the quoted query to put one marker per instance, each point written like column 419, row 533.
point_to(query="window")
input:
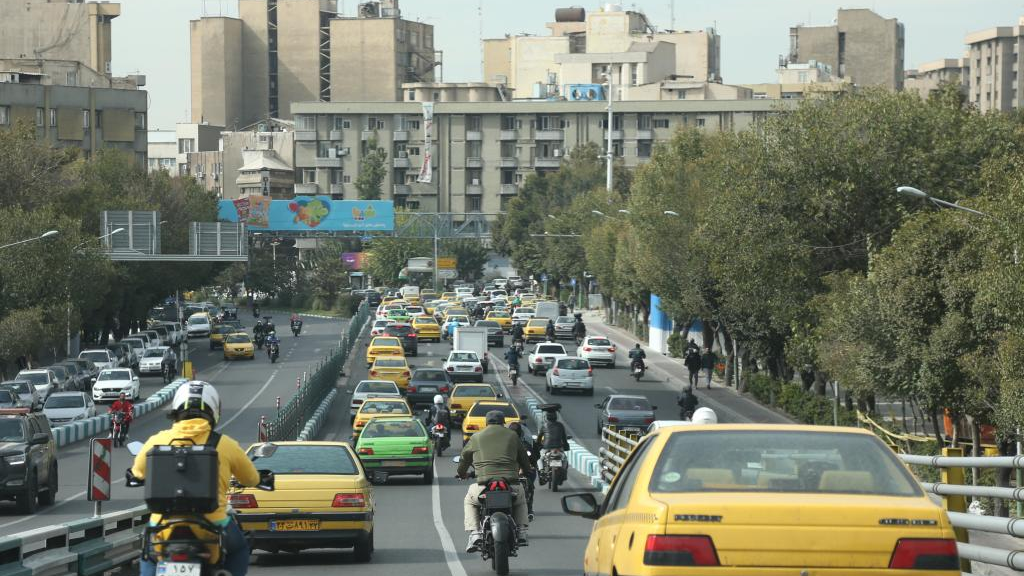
column 72, row 79
column 550, row 123
column 346, row 179
column 616, row 122
column 336, row 176
column 305, row 122
column 643, row 148
column 323, row 149
column 801, row 77
column 5, row 115
column 504, row 202
column 413, row 124
column 473, row 177
column 309, row 176
column 186, row 145
column 474, row 203
column 661, row 122
column 700, row 122
column 473, row 123
column 681, row 95
column 473, row 149
column 412, row 95
column 40, row 117
column 400, row 151
column 508, row 176
column 140, row 120
column 643, row 122
column 633, row 74
column 412, row 150
column 617, row 149
column 508, row 149
column 618, row 495
column 508, row 122
column 339, row 123
column 346, row 124
column 412, row 204
column 86, row 116
column 374, row 123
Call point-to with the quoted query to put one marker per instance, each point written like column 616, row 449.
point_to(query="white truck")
column 547, row 310
column 410, row 293
column 474, row 339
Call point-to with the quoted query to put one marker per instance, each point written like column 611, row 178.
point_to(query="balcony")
column 328, row 162
column 474, row 189
column 368, row 134
column 305, row 135
column 403, row 189
column 548, row 135
column 474, row 162
column 400, row 136
column 401, row 162
column 474, row 135
column 508, row 135
column 509, row 189
column 508, row 162
column 307, row 189
column 616, row 135
column 644, row 134
column 547, row 162
column 337, row 190
column 335, row 135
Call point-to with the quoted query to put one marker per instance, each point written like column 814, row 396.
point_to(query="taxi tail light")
column 366, row 451
column 373, row 372
column 925, row 554
column 454, row 405
column 478, row 369
column 666, row 550
column 588, row 349
column 407, row 374
column 419, row 450
column 613, row 419
column 349, row 500
column 242, row 501
column 472, row 427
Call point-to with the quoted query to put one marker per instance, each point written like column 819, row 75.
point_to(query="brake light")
column 611, row 349
column 590, row 371
column 613, row 419
column 412, row 335
column 242, row 501
column 478, row 369
column 451, row 368
column 555, row 372
column 407, row 374
column 356, row 401
column 588, row 349
column 443, row 390
column 925, row 553
column 373, row 372
column 538, row 361
column 366, row 451
column 649, row 420
column 354, row 500
column 664, row 550
column 472, row 427
column 419, row 450
column 454, row 405
column 179, row 557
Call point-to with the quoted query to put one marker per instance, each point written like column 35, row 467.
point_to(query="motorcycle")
column 273, row 350
column 638, row 370
column 553, row 472
column 181, row 543
column 513, row 374
column 118, row 429
column 441, row 437
column 497, row 524
column 518, row 345
column 296, row 327
column 259, row 341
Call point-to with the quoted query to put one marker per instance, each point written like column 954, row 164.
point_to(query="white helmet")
column 438, row 399
column 198, row 395
column 704, row 416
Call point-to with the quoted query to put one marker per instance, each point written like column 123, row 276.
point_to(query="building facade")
column 482, row 151
column 927, row 77
column 58, row 30
column 797, row 81
column 993, row 60
column 861, row 46
column 162, row 151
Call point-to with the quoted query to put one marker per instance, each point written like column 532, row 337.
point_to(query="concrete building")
column 582, row 46
column 58, row 30
column 861, row 46
column 797, row 81
column 993, row 59
column 248, row 69
column 482, row 151
column 454, row 92
column 194, row 138
column 927, row 77
column 162, row 151
column 258, row 161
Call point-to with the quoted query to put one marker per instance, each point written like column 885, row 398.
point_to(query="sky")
column 151, row 36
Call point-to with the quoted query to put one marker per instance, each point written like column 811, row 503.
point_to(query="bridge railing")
column 616, row 447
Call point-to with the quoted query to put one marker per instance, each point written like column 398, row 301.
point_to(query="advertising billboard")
column 309, row 214
column 353, row 260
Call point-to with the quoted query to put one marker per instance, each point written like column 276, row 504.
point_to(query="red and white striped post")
column 100, row 464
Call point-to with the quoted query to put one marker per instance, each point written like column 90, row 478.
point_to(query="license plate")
column 463, row 368
column 178, row 569
column 395, row 463
column 556, row 463
column 426, row 389
column 631, row 429
column 294, row 525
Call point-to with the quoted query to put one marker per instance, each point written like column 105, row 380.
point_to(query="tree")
column 388, row 255
column 470, row 255
column 328, row 275
column 372, row 171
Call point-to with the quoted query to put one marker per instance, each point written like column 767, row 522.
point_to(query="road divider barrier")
column 312, row 428
column 89, row 427
column 580, row 459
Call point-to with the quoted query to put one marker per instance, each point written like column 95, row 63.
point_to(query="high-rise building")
column 69, row 30
column 993, row 60
column 861, row 46
column 248, row 69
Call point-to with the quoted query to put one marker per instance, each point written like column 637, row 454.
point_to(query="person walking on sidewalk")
column 693, row 363
column 708, row 361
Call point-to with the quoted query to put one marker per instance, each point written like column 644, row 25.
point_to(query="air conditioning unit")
column 557, row 153
column 343, row 151
column 476, row 181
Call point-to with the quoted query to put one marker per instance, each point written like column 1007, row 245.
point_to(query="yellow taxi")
column 474, row 420
column 427, row 295
column 217, row 334
column 464, row 396
column 757, row 499
column 501, row 317
column 535, row 329
column 426, row 328
column 379, row 408
column 383, row 346
column 450, row 296
column 455, row 311
column 430, row 306
column 239, row 345
column 393, row 368
column 321, row 499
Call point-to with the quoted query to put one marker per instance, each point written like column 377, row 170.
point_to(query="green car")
column 399, row 315
column 396, row 446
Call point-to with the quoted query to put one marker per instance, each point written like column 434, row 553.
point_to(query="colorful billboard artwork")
column 313, row 213
column 353, row 260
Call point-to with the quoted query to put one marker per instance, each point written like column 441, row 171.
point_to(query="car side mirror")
column 40, row 438
column 265, row 450
column 598, row 406
column 134, row 448
column 583, row 505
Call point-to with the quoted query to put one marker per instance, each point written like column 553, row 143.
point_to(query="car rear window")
column 377, row 388
column 599, row 342
column 381, row 407
column 780, row 461
column 629, row 404
column 36, row 378
column 398, row 330
column 488, row 324
column 237, row 339
column 6, row 397
column 115, row 375
column 18, row 387
column 573, row 364
column 309, row 460
column 389, row 363
column 463, row 357
column 551, row 349
column 483, row 409
column 430, row 376
column 154, row 353
column 95, row 356
column 134, row 343
column 11, row 431
column 474, row 391
column 394, row 429
column 75, row 401
column 386, row 342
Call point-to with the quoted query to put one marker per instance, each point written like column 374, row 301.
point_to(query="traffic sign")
column 99, row 469
column 544, row 277
column 447, row 263
column 447, row 274
column 572, row 282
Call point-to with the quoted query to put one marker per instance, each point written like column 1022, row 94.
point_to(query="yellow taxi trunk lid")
column 803, row 530
column 314, row 492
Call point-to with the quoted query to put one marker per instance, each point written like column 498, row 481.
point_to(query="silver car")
column 571, row 373
column 25, row 391
column 625, row 412
column 64, row 407
column 371, row 389
column 43, row 380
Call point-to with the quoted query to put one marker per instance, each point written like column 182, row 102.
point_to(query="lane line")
column 451, row 555
column 256, row 396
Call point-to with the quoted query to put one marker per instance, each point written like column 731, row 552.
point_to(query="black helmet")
column 551, row 415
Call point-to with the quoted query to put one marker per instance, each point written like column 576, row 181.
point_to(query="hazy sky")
column 151, row 36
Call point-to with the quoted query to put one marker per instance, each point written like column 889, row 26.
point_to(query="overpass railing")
column 617, row 445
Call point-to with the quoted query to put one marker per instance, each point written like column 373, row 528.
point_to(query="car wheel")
column 428, row 476
column 590, row 392
column 363, row 549
column 50, row 496
column 28, row 501
column 612, row 365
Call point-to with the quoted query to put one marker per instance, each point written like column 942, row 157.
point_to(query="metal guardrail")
column 615, row 448
column 86, row 429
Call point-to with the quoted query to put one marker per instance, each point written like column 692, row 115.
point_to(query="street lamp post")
column 27, row 240
column 608, row 156
column 670, row 213
column 68, row 294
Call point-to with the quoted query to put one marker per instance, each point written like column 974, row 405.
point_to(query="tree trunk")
column 975, row 447
column 820, row 382
column 938, row 431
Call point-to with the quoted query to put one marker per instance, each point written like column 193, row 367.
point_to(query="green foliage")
column 372, row 172
column 805, row 407
column 388, row 255
column 676, row 345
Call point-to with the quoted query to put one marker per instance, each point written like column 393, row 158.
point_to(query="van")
column 547, row 310
column 410, row 294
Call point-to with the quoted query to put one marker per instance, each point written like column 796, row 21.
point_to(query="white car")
column 113, row 381
column 198, row 325
column 570, row 373
column 372, row 389
column 63, row 407
column 457, row 320
column 544, row 356
column 597, row 350
column 101, row 357
column 414, row 311
column 45, row 381
column 138, row 346
column 522, row 315
column 464, row 365
column 379, row 326
column 152, row 362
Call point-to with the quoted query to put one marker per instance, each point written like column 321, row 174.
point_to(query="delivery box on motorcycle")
column 189, row 478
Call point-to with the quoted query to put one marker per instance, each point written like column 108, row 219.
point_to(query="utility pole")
column 437, row 222
column 608, row 157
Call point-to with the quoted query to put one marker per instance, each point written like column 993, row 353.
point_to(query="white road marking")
column 451, row 555
column 242, row 410
column 612, row 390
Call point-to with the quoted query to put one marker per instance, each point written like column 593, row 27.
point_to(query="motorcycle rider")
column 549, row 331
column 579, row 330
column 497, row 454
column 517, row 334
column 272, row 341
column 439, row 414
column 124, row 405
column 531, row 474
column 704, row 416
column 552, row 436
column 637, row 356
column 687, row 403
column 257, row 330
column 512, row 357
column 295, row 321
column 195, row 410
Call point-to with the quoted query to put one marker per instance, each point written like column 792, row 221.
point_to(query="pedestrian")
column 693, row 364
column 708, row 361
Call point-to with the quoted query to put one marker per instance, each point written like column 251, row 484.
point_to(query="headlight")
column 15, row 459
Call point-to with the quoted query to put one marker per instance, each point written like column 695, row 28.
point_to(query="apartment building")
column 69, row 30
column 248, row 69
column 162, row 151
column 481, row 152
column 927, row 77
column 797, row 81
column 993, row 60
column 861, row 46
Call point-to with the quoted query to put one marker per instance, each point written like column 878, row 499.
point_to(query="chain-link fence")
column 313, row 386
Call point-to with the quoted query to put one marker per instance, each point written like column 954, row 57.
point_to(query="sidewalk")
column 730, row 405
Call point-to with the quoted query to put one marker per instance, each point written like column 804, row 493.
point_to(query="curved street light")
column 599, row 213
column 40, row 237
column 670, row 213
column 624, row 211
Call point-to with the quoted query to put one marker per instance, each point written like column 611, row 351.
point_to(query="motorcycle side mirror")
column 265, row 450
column 135, row 448
column 598, row 406
column 266, row 479
column 534, row 436
column 457, row 459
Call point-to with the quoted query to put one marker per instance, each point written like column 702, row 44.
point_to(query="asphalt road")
column 248, row 389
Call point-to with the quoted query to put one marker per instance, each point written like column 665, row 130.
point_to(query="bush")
column 805, row 407
column 347, row 304
column 676, row 345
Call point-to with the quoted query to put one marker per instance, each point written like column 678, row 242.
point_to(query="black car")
column 29, row 473
column 495, row 335
column 427, row 383
column 407, row 334
column 229, row 313
column 373, row 298
column 82, row 379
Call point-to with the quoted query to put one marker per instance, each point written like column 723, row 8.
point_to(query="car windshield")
column 76, row 401
column 11, row 431
column 309, row 460
column 488, row 324
column 389, row 363
column 154, row 353
column 629, row 404
column 237, row 339
column 551, row 349
column 36, row 378
column 115, row 375
column 483, row 409
column 6, row 397
column 573, row 364
column 386, row 342
column 95, row 356
column 394, row 429
column 134, row 343
column 474, row 391
column 780, row 461
column 19, row 387
column 599, row 342
column 430, row 376
column 463, row 357
column 381, row 407
column 377, row 388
